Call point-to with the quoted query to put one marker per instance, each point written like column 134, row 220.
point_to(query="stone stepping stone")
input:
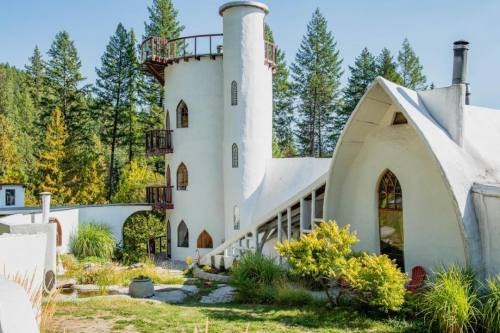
column 220, row 295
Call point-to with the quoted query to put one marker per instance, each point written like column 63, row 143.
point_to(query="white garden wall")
column 16, row 312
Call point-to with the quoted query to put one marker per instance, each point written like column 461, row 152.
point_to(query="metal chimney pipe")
column 460, row 49
column 45, row 196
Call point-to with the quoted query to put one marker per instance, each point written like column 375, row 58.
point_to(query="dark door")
column 169, row 241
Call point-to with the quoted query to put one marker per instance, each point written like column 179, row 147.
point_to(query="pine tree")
column 163, row 20
column 387, row 67
column 63, row 79
column 37, row 79
column 362, row 74
column 114, row 87
column 316, row 74
column 410, row 68
column 283, row 99
column 51, row 161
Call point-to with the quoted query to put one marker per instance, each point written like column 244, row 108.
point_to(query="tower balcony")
column 158, row 52
column 160, row 197
column 159, row 142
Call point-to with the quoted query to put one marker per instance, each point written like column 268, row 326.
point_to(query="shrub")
column 255, row 278
column 377, row 281
column 93, row 240
column 490, row 310
column 293, row 296
column 321, row 255
column 137, row 230
column 450, row 302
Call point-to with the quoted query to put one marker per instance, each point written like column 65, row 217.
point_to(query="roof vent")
column 460, row 49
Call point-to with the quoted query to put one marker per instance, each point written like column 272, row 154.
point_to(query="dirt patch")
column 104, row 324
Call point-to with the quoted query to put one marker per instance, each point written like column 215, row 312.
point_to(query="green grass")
column 149, row 317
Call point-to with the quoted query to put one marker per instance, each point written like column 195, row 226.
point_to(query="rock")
column 197, row 272
column 137, row 265
column 65, row 283
column 175, row 296
column 88, row 266
column 219, row 295
column 190, row 289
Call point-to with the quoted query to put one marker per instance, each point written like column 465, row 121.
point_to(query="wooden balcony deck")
column 159, row 142
column 160, row 197
column 158, row 52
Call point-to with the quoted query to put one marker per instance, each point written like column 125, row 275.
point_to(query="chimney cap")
column 461, row 44
column 255, row 4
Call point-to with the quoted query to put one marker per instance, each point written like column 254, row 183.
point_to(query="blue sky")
column 430, row 25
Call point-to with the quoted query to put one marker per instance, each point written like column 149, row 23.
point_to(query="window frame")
column 10, row 197
column 185, row 240
column 235, row 156
column 234, row 93
column 182, row 115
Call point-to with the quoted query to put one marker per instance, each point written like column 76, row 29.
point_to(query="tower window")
column 235, row 155
column 182, row 115
column 236, row 217
column 182, row 177
column 182, row 235
column 399, row 119
column 234, row 93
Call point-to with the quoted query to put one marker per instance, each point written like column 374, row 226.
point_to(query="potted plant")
column 141, row 287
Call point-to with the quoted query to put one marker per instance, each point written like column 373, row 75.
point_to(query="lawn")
column 131, row 316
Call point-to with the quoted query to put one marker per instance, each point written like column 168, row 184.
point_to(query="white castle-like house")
column 415, row 174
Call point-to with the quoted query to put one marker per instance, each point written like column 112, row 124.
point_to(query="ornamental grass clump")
column 451, row 303
column 255, row 278
column 490, row 310
column 93, row 240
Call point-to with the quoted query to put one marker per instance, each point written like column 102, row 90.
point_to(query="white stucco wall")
column 487, row 205
column 199, row 85
column 248, row 124
column 23, row 255
column 371, row 145
column 112, row 216
column 16, row 312
column 19, row 195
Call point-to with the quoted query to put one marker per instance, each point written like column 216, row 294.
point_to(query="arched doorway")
column 390, row 218
column 204, row 241
column 169, row 240
column 59, row 231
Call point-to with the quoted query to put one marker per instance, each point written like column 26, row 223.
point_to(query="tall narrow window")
column 235, row 155
column 168, row 179
column 182, row 115
column 10, row 197
column 234, row 93
column 236, row 217
column 182, row 235
column 182, row 177
column 204, row 241
column 167, row 121
column 390, row 204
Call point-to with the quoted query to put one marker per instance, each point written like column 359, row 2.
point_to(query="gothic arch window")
column 236, row 217
column 390, row 217
column 182, row 177
column 235, row 155
column 167, row 120
column 204, row 241
column 182, row 235
column 167, row 176
column 59, row 231
column 182, row 115
column 234, row 93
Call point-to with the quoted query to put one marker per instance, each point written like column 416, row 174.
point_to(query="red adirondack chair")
column 418, row 276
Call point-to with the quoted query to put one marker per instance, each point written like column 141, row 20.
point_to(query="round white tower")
column 247, row 142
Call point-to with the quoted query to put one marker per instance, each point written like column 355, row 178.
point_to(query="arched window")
column 167, row 176
column 167, row 121
column 182, row 177
column 182, row 235
column 236, row 217
column 59, row 231
column 235, row 155
column 390, row 208
column 204, row 241
column 182, row 115
column 234, row 93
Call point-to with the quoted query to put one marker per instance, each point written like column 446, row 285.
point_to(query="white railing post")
column 289, row 222
column 301, row 212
